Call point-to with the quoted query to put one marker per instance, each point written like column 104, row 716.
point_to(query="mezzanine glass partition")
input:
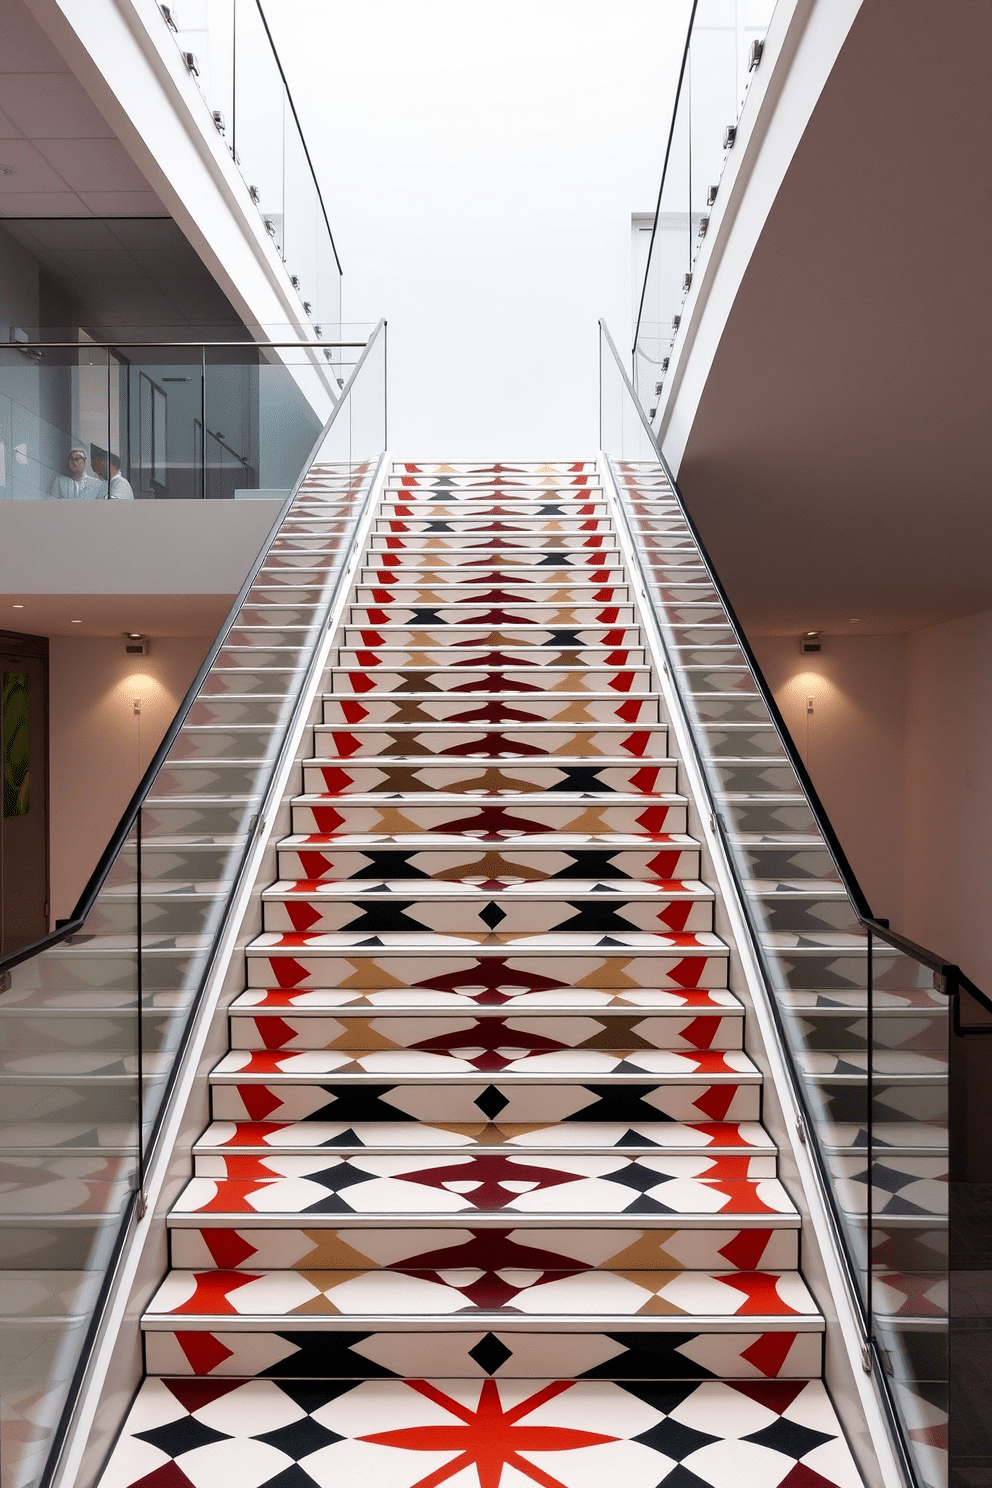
column 719, row 61
column 863, row 1024
column 94, row 1020
column 162, row 420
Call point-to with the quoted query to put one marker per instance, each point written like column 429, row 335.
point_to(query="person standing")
column 78, row 485
column 112, row 484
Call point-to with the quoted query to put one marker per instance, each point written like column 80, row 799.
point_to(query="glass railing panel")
column 305, row 228
column 229, row 52
column 56, row 406
column 260, row 109
column 69, row 1139
column 93, row 1025
column 718, row 65
column 156, row 421
column 205, row 28
column 903, row 1171
column 865, row 1033
column 669, row 262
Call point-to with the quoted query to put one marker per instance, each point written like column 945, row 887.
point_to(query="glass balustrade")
column 160, row 420
column 228, row 49
column 93, row 1020
column 865, row 1028
column 717, row 67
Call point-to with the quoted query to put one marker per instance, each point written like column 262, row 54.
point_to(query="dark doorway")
column 24, row 768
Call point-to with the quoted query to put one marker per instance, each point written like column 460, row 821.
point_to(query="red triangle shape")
column 193, row 1394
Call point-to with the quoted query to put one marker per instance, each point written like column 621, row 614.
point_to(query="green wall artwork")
column 14, row 726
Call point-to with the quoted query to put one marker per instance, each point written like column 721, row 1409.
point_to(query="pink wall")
column 949, row 792
column 853, row 744
column 100, row 747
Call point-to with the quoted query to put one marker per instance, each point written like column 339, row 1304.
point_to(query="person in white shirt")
column 112, row 484
column 78, row 485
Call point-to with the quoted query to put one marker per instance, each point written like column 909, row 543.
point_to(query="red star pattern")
column 490, row 1438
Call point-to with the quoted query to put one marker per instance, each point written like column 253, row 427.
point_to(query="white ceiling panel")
column 31, row 171
column 42, row 204
column 52, row 105
column 93, row 164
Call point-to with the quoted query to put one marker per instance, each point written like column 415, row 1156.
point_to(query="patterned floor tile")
column 416, row 1433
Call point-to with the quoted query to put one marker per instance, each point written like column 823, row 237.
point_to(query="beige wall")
column 949, row 792
column 99, row 746
column 853, row 744
column 899, row 747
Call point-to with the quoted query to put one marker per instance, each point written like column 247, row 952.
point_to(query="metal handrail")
column 949, row 978
column 88, row 897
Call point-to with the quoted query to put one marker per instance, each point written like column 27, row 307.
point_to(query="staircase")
column 486, row 1198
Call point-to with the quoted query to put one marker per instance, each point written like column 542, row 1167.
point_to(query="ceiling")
column 66, row 160
column 112, row 614
column 840, row 463
column 128, row 265
column 127, row 272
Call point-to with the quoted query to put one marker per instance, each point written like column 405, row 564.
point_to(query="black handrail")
column 952, row 980
column 98, row 877
column 664, row 173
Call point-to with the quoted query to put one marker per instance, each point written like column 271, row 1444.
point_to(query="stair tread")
column 373, row 1185
column 573, row 888
column 762, row 1298
column 288, row 1136
column 557, row 1064
column 718, row 1001
column 269, row 943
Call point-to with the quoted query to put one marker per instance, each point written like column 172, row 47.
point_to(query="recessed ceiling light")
column 17, row 607
column 135, row 635
column 7, row 170
column 854, row 620
column 75, row 622
column 812, row 632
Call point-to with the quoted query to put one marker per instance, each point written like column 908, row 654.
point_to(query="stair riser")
column 713, row 1031
column 393, row 568
column 517, row 684
column 508, row 823
column 515, row 708
column 505, row 863
column 499, row 781
column 369, row 1100
column 537, row 641
column 493, row 977
column 517, row 741
column 562, row 555
column 771, row 1247
column 603, row 915
column 409, row 662
column 487, row 527
column 507, row 783
column 448, row 1354
column 543, row 616
column 477, row 543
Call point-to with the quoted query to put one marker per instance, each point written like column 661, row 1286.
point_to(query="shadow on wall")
column 895, row 732
column 108, row 715
column 846, row 711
